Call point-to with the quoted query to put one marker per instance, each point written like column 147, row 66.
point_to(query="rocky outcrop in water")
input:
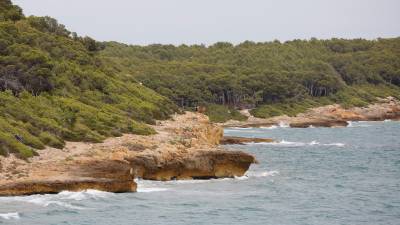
column 103, row 175
column 185, row 147
column 56, row 186
column 198, row 165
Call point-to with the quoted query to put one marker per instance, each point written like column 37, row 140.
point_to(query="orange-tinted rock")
column 56, row 186
column 197, row 165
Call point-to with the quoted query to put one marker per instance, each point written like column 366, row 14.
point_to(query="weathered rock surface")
column 185, row 147
column 104, row 175
column 199, row 165
column 231, row 140
column 56, row 186
column 329, row 116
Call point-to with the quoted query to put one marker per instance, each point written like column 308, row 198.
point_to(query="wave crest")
column 61, row 199
column 9, row 216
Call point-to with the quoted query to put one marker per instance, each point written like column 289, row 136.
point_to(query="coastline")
column 185, row 147
column 326, row 116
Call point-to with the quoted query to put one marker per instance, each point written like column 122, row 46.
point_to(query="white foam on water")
column 149, row 189
column 48, row 202
column 241, row 178
column 269, row 128
column 262, row 174
column 284, row 143
column 10, row 216
column 83, row 195
column 335, row 144
column 358, row 124
column 283, row 124
column 64, row 199
column 349, row 123
column 280, row 143
column 387, row 120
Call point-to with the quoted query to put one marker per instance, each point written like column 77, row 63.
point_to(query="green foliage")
column 285, row 108
column 220, row 113
column 8, row 11
column 252, row 74
column 54, row 87
column 51, row 140
column 275, row 78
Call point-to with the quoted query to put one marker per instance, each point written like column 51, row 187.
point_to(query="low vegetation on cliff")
column 53, row 88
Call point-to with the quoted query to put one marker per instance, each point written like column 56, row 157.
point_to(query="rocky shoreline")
column 327, row 116
column 185, row 147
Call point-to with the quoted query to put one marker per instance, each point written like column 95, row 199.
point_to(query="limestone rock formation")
column 185, row 147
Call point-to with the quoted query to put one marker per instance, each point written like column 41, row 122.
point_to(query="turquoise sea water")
column 309, row 176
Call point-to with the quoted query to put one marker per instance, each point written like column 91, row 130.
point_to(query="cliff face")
column 192, row 153
column 202, row 164
column 77, row 175
column 330, row 116
column 185, row 147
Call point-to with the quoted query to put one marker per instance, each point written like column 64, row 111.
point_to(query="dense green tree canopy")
column 54, row 87
column 251, row 74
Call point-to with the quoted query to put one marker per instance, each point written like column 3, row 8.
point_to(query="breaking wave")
column 9, row 216
column 150, row 189
column 297, row 144
column 61, row 199
column 358, row 124
column 262, row 174
column 148, row 186
column 283, row 124
column 270, row 128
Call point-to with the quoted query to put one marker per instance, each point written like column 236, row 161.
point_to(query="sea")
column 321, row 176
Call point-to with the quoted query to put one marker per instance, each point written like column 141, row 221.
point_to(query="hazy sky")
column 209, row 21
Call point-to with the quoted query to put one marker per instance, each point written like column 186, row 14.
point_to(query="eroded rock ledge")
column 185, row 147
column 199, row 165
column 56, row 186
